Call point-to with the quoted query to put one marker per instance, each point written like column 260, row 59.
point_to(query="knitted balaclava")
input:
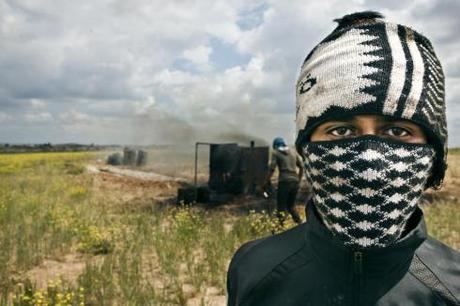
column 366, row 188
column 368, row 66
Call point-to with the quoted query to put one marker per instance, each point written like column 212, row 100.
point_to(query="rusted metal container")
column 233, row 170
column 129, row 157
column 142, row 158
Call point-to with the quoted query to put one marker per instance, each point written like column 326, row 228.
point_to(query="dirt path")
column 137, row 174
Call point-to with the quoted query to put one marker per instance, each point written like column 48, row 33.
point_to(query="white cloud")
column 38, row 117
column 144, row 107
column 199, row 56
column 73, row 117
column 37, row 104
column 108, row 71
column 4, row 117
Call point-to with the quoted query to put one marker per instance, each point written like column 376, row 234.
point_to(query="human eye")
column 341, row 131
column 398, row 132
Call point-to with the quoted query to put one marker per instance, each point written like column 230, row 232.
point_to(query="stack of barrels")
column 130, row 157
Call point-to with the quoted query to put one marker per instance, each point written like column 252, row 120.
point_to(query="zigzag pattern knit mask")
column 366, row 188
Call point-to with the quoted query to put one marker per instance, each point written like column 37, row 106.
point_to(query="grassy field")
column 70, row 237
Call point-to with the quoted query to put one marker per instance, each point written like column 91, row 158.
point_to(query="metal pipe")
column 252, row 185
column 196, row 165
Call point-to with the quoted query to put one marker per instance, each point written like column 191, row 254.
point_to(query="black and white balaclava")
column 369, row 66
column 365, row 189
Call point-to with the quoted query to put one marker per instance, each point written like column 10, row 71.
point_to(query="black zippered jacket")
column 308, row 266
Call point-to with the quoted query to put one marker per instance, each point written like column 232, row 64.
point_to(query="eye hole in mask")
column 366, row 188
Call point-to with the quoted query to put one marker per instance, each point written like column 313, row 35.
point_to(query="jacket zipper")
column 357, row 276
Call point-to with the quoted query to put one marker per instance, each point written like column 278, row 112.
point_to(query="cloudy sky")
column 151, row 71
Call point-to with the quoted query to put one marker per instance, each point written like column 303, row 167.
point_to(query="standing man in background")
column 290, row 175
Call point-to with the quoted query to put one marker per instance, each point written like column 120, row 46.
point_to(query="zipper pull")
column 358, row 262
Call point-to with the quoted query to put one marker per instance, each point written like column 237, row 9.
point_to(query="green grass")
column 454, row 151
column 442, row 221
column 50, row 207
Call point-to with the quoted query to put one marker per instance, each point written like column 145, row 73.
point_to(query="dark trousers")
column 287, row 193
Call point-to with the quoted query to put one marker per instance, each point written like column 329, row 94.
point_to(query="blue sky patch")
column 225, row 55
column 252, row 18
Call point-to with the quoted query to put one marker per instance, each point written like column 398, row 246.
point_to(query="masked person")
column 372, row 130
column 290, row 171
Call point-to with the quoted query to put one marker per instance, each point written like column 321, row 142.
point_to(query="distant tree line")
column 48, row 147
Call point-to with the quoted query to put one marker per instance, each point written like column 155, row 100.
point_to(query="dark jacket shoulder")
column 441, row 267
column 256, row 259
column 417, row 270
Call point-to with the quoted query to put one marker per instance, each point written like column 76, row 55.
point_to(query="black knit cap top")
column 370, row 66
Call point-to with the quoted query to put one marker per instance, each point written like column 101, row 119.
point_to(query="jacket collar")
column 376, row 262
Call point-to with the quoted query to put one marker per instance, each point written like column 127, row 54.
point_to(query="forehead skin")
column 370, row 125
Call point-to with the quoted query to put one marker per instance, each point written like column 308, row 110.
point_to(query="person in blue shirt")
column 290, row 171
